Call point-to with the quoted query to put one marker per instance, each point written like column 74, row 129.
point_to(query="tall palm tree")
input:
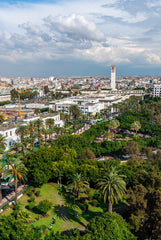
column 1, row 118
column 77, row 184
column 135, row 126
column 45, row 132
column 39, row 124
column 3, row 143
column 112, row 186
column 17, row 171
column 17, row 146
column 22, row 132
column 49, row 122
column 75, row 111
column 1, row 174
column 50, row 125
column 33, row 138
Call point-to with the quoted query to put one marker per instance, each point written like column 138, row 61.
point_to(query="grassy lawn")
column 63, row 209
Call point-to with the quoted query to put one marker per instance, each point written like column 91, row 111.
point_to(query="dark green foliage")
column 44, row 206
column 30, row 193
column 94, row 202
column 5, row 206
column 11, row 229
column 32, row 199
column 37, row 193
column 4, row 103
column 40, row 166
column 109, row 226
column 84, row 207
column 28, row 189
column 31, row 205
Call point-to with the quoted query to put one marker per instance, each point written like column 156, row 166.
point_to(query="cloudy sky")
column 80, row 37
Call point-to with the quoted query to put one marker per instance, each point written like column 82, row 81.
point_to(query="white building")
column 9, row 130
column 86, row 105
column 113, row 77
column 156, row 90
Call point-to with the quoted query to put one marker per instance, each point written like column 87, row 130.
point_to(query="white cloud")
column 90, row 29
column 75, row 27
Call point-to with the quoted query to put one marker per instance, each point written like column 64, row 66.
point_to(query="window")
column 10, row 133
column 6, row 134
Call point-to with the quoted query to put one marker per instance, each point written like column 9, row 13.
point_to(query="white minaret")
column 113, row 77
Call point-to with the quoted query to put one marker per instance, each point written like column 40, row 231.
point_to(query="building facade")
column 156, row 90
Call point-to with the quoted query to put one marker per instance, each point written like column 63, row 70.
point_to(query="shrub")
column 5, row 206
column 32, row 199
column 30, row 194
column 82, row 200
column 16, row 207
column 37, row 193
column 85, row 207
column 33, row 190
column 28, row 189
column 90, row 197
column 97, row 196
column 44, row 206
column 31, row 205
column 94, row 202
column 87, row 190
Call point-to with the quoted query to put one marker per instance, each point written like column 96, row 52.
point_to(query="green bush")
column 85, row 207
column 33, row 190
column 87, row 191
column 5, row 206
column 30, row 194
column 82, row 200
column 28, row 189
column 37, row 193
column 16, row 207
column 32, row 199
column 44, row 206
column 31, row 205
column 90, row 197
column 94, row 202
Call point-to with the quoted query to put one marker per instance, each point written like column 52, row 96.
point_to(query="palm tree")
column 50, row 124
column 135, row 126
column 31, row 128
column 3, row 143
column 75, row 111
column 112, row 186
column 45, row 132
column 1, row 174
column 17, row 171
column 17, row 146
column 1, row 118
column 33, row 138
column 77, row 184
column 22, row 132
column 39, row 124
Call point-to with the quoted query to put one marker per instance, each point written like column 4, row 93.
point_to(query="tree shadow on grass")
column 89, row 215
column 67, row 213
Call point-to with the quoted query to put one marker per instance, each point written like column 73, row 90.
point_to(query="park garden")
column 68, row 184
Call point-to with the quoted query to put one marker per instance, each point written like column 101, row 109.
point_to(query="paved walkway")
column 9, row 198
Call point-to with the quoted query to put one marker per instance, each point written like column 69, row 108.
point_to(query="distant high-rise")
column 113, row 77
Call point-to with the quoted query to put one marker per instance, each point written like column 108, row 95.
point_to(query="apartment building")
column 8, row 130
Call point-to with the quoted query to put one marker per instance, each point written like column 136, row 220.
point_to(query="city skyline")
column 77, row 38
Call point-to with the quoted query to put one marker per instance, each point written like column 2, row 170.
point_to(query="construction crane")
column 19, row 103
